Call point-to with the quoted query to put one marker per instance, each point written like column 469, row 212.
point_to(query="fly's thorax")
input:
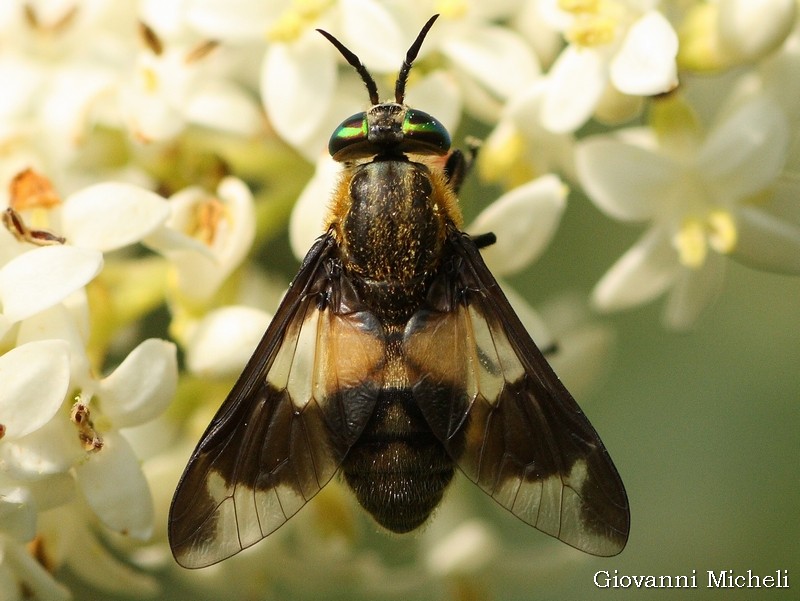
column 391, row 219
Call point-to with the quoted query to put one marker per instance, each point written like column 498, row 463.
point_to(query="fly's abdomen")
column 398, row 469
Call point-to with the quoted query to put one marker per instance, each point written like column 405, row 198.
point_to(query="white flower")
column 64, row 269
column 52, row 438
column 175, row 83
column 299, row 80
column 23, row 577
column 726, row 33
column 626, row 44
column 62, row 428
column 524, row 221
column 97, row 219
column 82, row 433
column 701, row 195
column 306, row 93
column 206, row 236
column 222, row 342
column 310, row 211
column 491, row 64
column 35, row 379
column 58, row 61
column 520, row 148
column 751, row 30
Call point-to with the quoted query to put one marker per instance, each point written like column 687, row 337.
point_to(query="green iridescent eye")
column 424, row 134
column 351, row 131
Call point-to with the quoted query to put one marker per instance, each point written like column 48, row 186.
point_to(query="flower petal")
column 224, row 106
column 202, row 265
column 767, row 242
column 645, row 64
column 61, row 323
column 496, row 57
column 751, row 30
column 143, row 384
column 109, row 216
column 112, row 482
column 52, row 449
column 307, row 221
column 648, row 268
column 40, row 278
column 224, row 340
column 745, row 153
column 25, row 569
column 575, row 84
column 17, row 513
column 35, row 379
column 437, row 93
column 693, row 291
column 469, row 547
column 67, row 529
column 624, row 180
column 231, row 20
column 297, row 85
column 524, row 220
column 375, row 35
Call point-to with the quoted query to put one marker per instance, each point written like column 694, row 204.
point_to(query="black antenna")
column 400, row 86
column 351, row 58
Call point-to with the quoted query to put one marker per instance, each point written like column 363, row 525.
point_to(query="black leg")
column 458, row 166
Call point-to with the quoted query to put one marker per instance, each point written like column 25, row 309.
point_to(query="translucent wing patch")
column 502, row 413
column 300, row 404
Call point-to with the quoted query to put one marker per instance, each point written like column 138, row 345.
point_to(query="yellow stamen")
column 311, row 9
column 207, row 218
column 690, row 242
column 287, row 28
column 149, row 80
column 722, row 234
column 593, row 31
column 451, row 9
column 579, row 6
column 296, row 19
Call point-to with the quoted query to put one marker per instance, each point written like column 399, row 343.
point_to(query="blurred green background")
column 704, row 426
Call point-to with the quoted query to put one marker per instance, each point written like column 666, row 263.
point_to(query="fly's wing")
column 279, row 437
column 503, row 415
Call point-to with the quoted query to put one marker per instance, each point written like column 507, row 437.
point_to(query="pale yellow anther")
column 207, row 218
column 592, row 31
column 722, row 232
column 311, row 9
column 451, row 9
column 579, row 6
column 149, row 80
column 690, row 241
column 296, row 19
column 287, row 28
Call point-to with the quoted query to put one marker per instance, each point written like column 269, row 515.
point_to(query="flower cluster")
column 146, row 145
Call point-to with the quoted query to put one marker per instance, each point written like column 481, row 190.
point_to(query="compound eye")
column 424, row 134
column 348, row 138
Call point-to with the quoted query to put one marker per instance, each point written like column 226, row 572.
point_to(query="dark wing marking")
column 502, row 413
column 279, row 437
